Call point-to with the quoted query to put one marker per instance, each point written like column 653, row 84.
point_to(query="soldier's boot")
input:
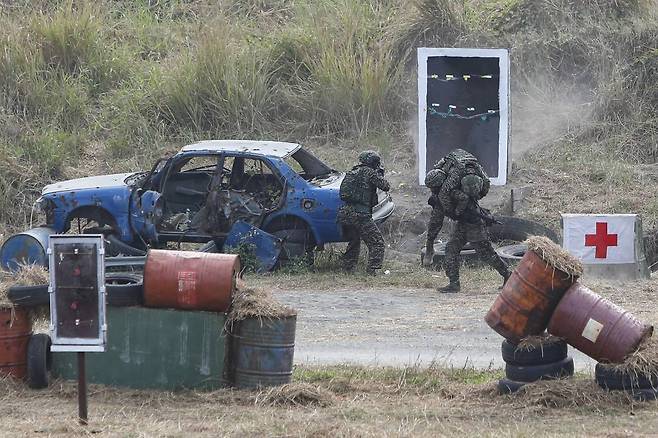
column 452, row 287
column 371, row 272
column 428, row 259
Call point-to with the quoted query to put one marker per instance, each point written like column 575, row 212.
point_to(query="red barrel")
column 15, row 331
column 190, row 280
column 597, row 327
column 526, row 303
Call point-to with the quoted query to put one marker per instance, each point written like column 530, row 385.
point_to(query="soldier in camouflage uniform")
column 470, row 227
column 444, row 180
column 359, row 193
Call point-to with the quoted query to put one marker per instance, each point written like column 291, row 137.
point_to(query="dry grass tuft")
column 295, row 394
column 28, row 275
column 555, row 256
column 256, row 303
column 536, row 342
column 642, row 362
column 569, row 393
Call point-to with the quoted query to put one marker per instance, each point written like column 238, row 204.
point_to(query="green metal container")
column 155, row 348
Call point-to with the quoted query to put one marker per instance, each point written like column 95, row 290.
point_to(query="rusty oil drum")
column 528, row 299
column 262, row 351
column 15, row 332
column 597, row 327
column 190, row 280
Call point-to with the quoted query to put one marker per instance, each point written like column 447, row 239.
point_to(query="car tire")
column 297, row 244
column 507, row 386
column 29, row 296
column 547, row 353
column 519, row 229
column 38, row 361
column 124, row 289
column 643, row 395
column 608, row 377
column 532, row 373
column 512, row 254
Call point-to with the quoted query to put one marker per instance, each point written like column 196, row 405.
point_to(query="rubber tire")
column 468, row 256
column 29, row 296
column 507, row 386
column 519, row 229
column 608, row 378
column 644, row 395
column 548, row 353
column 128, row 290
column 532, row 373
column 297, row 243
column 39, row 361
column 512, row 254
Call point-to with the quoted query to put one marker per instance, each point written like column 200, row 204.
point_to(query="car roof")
column 278, row 149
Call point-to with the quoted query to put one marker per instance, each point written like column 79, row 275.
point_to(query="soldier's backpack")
column 352, row 188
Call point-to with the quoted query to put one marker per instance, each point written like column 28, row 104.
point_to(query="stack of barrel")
column 543, row 293
column 261, row 349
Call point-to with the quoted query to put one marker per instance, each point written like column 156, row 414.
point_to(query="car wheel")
column 548, row 352
column 507, row 386
column 124, row 289
column 38, row 361
column 532, row 373
column 29, row 296
column 297, row 244
column 609, row 377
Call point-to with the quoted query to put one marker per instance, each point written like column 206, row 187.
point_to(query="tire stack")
column 545, row 360
column 640, row 385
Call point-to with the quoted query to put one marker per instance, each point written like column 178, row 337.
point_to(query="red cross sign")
column 601, row 240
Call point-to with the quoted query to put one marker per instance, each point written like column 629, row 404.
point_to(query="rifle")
column 474, row 211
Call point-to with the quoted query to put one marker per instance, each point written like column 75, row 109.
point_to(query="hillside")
column 108, row 86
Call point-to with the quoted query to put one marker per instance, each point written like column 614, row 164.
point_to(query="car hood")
column 91, row 182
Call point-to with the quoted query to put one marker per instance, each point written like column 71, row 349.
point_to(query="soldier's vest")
column 355, row 189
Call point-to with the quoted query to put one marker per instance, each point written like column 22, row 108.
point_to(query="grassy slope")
column 108, row 86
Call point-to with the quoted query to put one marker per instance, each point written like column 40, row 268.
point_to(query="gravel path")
column 397, row 327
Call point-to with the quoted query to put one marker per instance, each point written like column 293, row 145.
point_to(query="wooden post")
column 82, row 389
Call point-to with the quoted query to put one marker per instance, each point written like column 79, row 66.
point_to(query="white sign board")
column 600, row 239
column 463, row 102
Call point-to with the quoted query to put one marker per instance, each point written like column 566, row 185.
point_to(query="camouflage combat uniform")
column 359, row 192
column 444, row 180
column 470, row 228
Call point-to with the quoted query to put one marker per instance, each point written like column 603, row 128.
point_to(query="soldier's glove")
column 380, row 171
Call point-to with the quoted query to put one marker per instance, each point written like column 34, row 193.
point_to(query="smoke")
column 544, row 111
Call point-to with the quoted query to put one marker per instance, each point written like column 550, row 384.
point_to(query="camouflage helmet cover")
column 472, row 185
column 435, row 178
column 370, row 158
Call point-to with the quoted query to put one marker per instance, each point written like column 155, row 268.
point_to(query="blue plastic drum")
column 26, row 248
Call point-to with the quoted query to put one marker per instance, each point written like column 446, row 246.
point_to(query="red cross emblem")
column 601, row 240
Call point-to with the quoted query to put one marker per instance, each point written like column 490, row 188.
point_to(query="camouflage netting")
column 555, row 256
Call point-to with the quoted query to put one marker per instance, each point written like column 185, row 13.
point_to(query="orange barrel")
column 15, row 331
column 597, row 327
column 528, row 298
column 190, row 280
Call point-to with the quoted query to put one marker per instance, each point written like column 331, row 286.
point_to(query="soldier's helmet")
column 472, row 185
column 370, row 159
column 435, row 178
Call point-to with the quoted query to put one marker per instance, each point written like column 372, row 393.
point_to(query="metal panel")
column 77, row 290
column 266, row 246
column 155, row 348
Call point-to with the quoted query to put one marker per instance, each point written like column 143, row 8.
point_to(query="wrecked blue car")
column 200, row 192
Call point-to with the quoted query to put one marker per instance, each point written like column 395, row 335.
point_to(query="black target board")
column 463, row 102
